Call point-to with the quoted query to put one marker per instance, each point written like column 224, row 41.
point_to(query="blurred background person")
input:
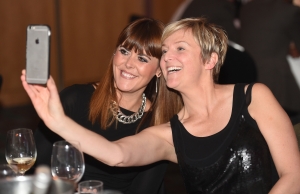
column 294, row 53
column 267, row 29
column 220, row 12
column 296, row 2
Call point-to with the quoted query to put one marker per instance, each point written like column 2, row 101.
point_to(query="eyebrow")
column 177, row 42
column 143, row 55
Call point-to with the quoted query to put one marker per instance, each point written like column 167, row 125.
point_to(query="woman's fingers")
column 27, row 87
column 37, row 93
column 45, row 100
column 52, row 88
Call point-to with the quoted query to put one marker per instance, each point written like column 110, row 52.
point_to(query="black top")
column 235, row 160
column 129, row 180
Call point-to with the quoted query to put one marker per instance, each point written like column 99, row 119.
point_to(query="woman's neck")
column 200, row 100
column 130, row 101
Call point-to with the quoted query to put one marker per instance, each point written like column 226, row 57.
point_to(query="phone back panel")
column 37, row 54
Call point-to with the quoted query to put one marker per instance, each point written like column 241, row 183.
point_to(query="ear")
column 158, row 72
column 211, row 63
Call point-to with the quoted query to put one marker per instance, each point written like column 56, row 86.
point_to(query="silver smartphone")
column 38, row 54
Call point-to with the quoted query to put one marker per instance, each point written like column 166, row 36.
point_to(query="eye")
column 164, row 51
column 142, row 59
column 123, row 51
column 180, row 48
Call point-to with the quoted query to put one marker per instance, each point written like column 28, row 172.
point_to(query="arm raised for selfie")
column 144, row 148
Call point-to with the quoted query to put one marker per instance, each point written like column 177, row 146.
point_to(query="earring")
column 156, row 84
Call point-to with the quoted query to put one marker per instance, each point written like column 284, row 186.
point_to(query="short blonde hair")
column 210, row 37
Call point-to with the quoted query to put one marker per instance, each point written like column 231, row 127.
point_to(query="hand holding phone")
column 37, row 54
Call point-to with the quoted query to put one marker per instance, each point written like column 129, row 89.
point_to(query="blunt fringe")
column 143, row 35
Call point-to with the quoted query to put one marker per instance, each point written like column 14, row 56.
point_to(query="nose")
column 129, row 62
column 167, row 56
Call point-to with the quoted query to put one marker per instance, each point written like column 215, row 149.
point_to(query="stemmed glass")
column 67, row 161
column 6, row 171
column 20, row 150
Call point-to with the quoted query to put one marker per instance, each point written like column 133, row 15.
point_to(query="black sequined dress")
column 235, row 160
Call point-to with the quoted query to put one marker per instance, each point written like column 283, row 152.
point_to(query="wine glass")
column 67, row 161
column 20, row 150
column 6, row 171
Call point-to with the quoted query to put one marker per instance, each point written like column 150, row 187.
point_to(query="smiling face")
column 181, row 62
column 211, row 39
column 136, row 59
column 132, row 70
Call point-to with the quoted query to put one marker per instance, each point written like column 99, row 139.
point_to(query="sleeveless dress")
column 235, row 160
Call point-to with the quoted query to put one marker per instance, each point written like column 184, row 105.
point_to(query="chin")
column 125, row 89
column 172, row 85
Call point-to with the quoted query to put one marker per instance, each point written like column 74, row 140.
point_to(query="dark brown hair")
column 143, row 35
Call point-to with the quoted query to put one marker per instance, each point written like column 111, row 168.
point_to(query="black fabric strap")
column 176, row 139
column 248, row 94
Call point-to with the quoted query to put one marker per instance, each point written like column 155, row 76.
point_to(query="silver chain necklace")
column 128, row 119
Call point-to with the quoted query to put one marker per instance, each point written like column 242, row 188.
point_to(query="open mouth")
column 127, row 75
column 173, row 69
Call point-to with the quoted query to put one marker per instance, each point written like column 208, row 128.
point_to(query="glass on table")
column 7, row 171
column 67, row 161
column 20, row 150
column 90, row 187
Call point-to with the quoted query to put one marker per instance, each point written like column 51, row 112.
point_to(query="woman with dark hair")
column 130, row 97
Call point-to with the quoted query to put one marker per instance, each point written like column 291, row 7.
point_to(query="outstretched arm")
column 144, row 148
column 47, row 104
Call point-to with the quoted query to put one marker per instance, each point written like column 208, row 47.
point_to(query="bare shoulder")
column 260, row 89
column 261, row 94
column 263, row 102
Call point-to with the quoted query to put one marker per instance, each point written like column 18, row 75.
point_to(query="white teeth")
column 127, row 75
column 174, row 69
